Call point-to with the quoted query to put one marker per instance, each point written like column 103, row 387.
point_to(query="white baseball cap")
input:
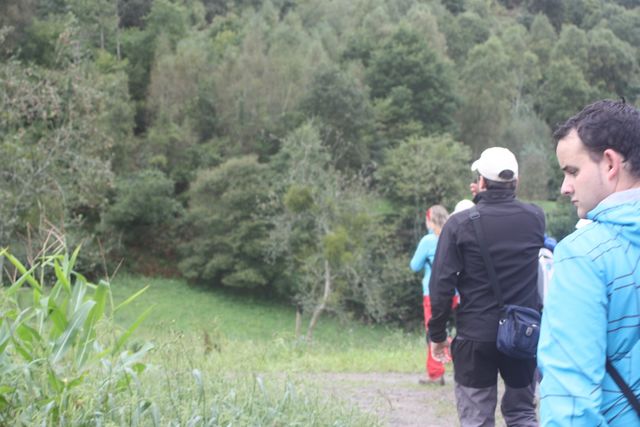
column 495, row 160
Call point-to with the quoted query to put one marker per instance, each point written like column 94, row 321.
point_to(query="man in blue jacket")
column 592, row 310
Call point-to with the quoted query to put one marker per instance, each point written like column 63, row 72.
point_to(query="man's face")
column 584, row 179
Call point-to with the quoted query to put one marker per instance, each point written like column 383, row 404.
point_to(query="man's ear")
column 613, row 162
column 482, row 184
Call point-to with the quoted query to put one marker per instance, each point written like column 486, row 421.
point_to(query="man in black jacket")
column 514, row 232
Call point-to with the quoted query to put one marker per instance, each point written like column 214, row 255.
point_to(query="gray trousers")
column 477, row 406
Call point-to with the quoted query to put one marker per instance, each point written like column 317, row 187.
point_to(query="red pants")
column 434, row 368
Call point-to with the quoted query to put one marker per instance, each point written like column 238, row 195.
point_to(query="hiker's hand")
column 439, row 351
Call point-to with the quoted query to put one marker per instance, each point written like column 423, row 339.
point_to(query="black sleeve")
column 443, row 282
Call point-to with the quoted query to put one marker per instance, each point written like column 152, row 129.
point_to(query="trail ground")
column 396, row 399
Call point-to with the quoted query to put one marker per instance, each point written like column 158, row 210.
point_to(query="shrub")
column 140, row 224
column 224, row 229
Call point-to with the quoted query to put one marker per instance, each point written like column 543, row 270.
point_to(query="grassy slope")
column 243, row 378
column 257, row 336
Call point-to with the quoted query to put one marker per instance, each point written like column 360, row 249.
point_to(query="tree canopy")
column 287, row 147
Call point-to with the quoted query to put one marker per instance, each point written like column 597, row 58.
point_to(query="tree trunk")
column 323, row 302
column 117, row 32
column 118, row 45
column 298, row 320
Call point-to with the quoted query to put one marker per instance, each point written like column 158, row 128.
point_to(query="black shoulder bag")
column 518, row 327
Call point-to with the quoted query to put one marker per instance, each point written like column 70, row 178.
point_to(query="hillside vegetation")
column 288, row 148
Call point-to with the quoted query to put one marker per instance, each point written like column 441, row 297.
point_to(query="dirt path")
column 396, row 399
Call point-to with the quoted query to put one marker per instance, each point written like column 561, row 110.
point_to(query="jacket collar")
column 494, row 196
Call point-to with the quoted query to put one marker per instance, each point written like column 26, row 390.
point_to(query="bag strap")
column 624, row 387
column 615, row 375
column 474, row 215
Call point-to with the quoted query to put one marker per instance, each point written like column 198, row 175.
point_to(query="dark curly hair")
column 607, row 124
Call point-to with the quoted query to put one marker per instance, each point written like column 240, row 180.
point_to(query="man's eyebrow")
column 569, row 168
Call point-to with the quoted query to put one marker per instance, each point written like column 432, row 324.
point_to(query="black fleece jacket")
column 514, row 233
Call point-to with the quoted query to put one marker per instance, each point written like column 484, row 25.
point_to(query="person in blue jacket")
column 422, row 259
column 592, row 309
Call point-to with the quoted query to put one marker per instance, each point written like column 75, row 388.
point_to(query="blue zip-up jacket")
column 426, row 250
column 592, row 311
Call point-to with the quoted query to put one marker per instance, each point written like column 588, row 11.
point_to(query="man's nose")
column 566, row 189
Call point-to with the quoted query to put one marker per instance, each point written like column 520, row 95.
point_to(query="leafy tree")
column 116, row 116
column 480, row 7
column 259, row 87
column 57, row 134
column 182, row 115
column 511, row 4
column 133, row 12
column 564, row 88
column 553, row 9
column 624, row 23
column 321, row 228
column 341, row 104
column 45, row 41
column 371, row 23
column 542, row 37
column 528, row 137
column 166, row 21
column 142, row 202
column 466, row 31
column 424, row 20
column 454, row 6
column 174, row 149
column 139, row 225
column 393, row 119
column 489, row 86
column 612, row 65
column 99, row 22
column 572, row 45
column 15, row 18
column 537, row 163
column 405, row 68
column 51, row 7
column 167, row 18
column 421, row 172
column 582, row 13
column 524, row 65
column 224, row 232
column 214, row 8
column 629, row 4
column 182, row 89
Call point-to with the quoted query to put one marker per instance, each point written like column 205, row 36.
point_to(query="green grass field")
column 250, row 334
column 218, row 349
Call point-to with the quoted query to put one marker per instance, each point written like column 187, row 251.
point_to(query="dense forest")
column 286, row 147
